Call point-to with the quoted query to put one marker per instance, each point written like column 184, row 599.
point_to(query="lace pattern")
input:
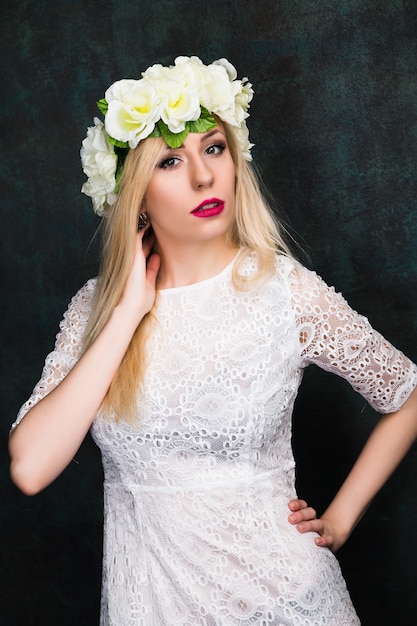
column 67, row 347
column 339, row 340
column 196, row 494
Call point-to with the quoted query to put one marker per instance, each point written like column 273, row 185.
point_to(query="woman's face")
column 191, row 194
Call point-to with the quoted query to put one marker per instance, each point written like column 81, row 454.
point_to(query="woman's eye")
column 216, row 148
column 169, row 162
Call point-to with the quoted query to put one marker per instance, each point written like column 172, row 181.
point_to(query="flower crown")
column 166, row 102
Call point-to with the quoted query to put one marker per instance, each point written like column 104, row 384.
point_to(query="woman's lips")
column 209, row 208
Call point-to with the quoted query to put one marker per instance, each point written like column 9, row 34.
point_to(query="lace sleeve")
column 67, row 348
column 339, row 340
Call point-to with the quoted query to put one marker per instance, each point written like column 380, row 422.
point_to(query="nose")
column 201, row 173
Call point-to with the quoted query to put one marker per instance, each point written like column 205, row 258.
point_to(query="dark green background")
column 334, row 123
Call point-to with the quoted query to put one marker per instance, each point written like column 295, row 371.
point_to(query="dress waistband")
column 271, row 479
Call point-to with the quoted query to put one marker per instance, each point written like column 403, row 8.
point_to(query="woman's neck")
column 186, row 265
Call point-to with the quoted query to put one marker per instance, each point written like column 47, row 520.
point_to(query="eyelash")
column 168, row 163
column 221, row 145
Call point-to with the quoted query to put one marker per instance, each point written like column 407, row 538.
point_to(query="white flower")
column 134, row 109
column 242, row 134
column 179, row 96
column 243, row 98
column 230, row 69
column 196, row 73
column 99, row 163
column 230, row 100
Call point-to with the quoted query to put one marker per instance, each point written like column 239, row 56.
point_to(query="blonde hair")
column 254, row 229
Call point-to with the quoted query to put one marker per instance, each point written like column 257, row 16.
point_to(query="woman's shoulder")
column 81, row 303
column 86, row 292
column 250, row 262
column 285, row 265
column 282, row 271
column 84, row 296
column 300, row 277
column 292, row 271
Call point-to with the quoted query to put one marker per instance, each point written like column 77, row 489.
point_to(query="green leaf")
column 121, row 154
column 204, row 123
column 205, row 113
column 103, row 106
column 173, row 140
column 156, row 131
column 118, row 175
column 117, row 143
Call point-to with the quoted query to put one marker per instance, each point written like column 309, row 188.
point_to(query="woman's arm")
column 48, row 437
column 339, row 340
column 386, row 447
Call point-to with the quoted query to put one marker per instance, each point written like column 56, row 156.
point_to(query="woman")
column 184, row 358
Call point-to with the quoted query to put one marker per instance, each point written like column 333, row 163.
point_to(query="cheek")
column 163, row 194
column 231, row 175
column 155, row 197
column 233, row 184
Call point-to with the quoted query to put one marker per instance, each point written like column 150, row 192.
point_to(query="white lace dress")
column 196, row 529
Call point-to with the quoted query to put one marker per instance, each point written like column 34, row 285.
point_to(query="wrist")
column 338, row 527
column 128, row 316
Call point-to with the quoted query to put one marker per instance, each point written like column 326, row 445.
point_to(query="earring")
column 143, row 219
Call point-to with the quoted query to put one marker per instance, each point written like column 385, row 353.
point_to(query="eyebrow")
column 210, row 134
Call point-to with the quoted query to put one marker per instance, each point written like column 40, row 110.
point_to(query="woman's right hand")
column 139, row 292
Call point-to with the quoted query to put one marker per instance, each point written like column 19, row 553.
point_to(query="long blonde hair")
column 254, row 229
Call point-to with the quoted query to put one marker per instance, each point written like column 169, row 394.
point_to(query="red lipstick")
column 209, row 208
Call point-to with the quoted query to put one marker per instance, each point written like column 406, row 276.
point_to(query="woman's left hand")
column 304, row 518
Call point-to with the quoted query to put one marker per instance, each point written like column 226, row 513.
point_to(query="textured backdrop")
column 335, row 128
